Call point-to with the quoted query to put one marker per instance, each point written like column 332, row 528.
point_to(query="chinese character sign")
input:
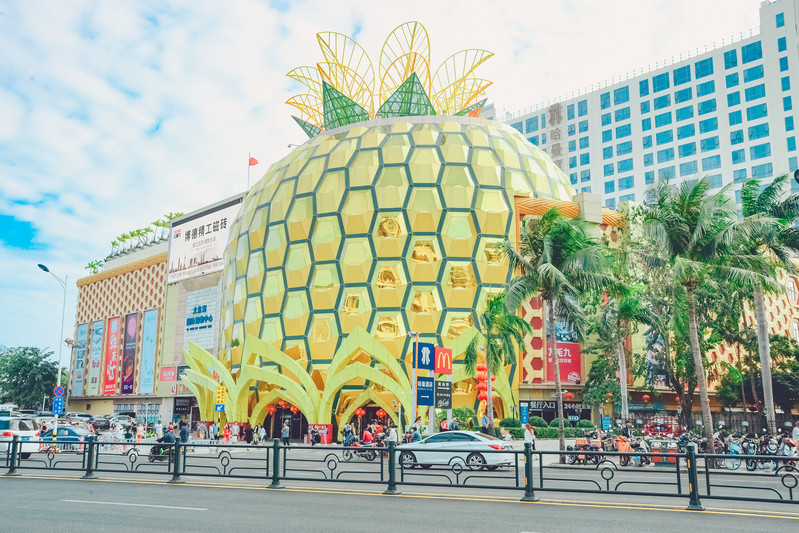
column 95, row 359
column 149, row 338
column 129, row 352
column 202, row 312
column 570, row 359
column 169, row 373
column 425, row 391
column 111, row 350
column 425, row 353
column 80, row 360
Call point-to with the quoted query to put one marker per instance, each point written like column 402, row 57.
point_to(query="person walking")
column 529, row 435
column 392, row 435
column 284, row 434
column 226, row 434
column 184, row 433
column 795, row 432
column 262, row 434
column 159, row 429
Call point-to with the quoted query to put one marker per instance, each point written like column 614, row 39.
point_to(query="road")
column 149, row 505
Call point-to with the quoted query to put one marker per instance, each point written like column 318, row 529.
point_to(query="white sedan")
column 467, row 448
column 26, row 428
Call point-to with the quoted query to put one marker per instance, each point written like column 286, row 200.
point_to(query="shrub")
column 554, row 423
column 552, row 433
column 538, row 422
column 516, row 433
column 466, row 417
column 510, row 423
column 583, row 423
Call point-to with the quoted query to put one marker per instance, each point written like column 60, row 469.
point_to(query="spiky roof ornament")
column 343, row 89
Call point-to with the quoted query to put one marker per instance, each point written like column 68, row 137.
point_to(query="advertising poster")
column 570, row 358
column 443, row 360
column 80, row 359
column 443, row 394
column 169, row 373
column 111, row 349
column 202, row 312
column 149, row 338
column 95, row 359
column 129, row 352
column 197, row 243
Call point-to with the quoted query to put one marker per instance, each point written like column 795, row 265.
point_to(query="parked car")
column 75, row 414
column 122, row 420
column 101, row 423
column 469, row 448
column 26, row 428
column 67, row 439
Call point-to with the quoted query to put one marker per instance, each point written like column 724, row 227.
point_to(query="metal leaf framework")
column 343, row 89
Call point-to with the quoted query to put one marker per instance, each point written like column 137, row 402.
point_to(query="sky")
column 113, row 113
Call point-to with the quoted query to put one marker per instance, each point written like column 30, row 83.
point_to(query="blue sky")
column 113, row 113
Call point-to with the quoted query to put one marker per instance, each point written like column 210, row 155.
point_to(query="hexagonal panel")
column 390, row 234
column 424, row 209
column 456, row 323
column 424, row 259
column 253, row 314
column 424, row 165
column 296, row 313
column 325, row 286
column 298, row 265
column 388, row 284
column 275, row 246
column 396, row 149
column 330, row 192
column 457, row 186
column 492, row 265
column 508, row 156
column 357, row 212
column 425, row 134
column 492, row 211
column 459, row 284
column 272, row 295
column 257, row 229
column 391, row 187
column 485, row 167
column 388, row 327
column 423, row 308
column 458, row 234
column 364, row 168
column 355, row 308
column 281, row 201
column 342, row 153
column 356, row 260
column 300, row 218
column 454, row 148
column 309, row 177
column 326, row 238
column 272, row 331
column 323, row 336
column 255, row 271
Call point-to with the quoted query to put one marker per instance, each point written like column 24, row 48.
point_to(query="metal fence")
column 684, row 475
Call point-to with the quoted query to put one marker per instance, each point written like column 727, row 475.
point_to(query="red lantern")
column 294, row 409
column 493, row 378
column 359, row 412
column 271, row 409
column 482, row 387
column 381, row 413
column 645, row 397
column 482, row 396
column 283, row 403
column 568, row 395
column 481, row 367
column 482, row 377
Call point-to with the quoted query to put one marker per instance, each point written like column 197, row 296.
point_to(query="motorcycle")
column 766, row 445
column 623, row 446
column 787, row 449
column 580, row 445
column 356, row 449
column 161, row 452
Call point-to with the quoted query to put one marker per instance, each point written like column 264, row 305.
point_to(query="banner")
column 443, row 361
column 570, row 359
column 425, row 352
column 443, row 395
column 129, row 352
column 80, row 360
column 197, row 243
column 111, row 349
column 169, row 373
column 149, row 338
column 424, row 391
column 202, row 313
column 95, row 359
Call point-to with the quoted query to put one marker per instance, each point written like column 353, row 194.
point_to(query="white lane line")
column 137, row 505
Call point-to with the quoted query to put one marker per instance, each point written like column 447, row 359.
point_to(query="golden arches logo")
column 443, row 361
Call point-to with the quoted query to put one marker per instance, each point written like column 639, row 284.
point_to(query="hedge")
column 554, row 423
column 510, row 423
column 544, row 433
column 538, row 422
column 583, row 423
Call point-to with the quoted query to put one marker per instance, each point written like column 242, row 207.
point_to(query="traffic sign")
column 58, row 391
column 606, row 423
column 219, row 408
column 221, row 390
column 424, row 390
column 443, row 395
column 58, row 405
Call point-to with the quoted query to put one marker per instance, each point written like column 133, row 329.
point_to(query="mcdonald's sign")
column 443, row 357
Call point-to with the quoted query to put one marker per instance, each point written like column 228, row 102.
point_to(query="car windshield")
column 489, row 437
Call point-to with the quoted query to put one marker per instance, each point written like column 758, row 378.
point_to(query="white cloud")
column 83, row 84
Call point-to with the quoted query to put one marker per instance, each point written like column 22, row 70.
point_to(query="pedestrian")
column 139, row 432
column 234, row 431
column 285, row 433
column 184, row 433
column 226, row 434
column 506, row 436
column 367, row 436
column 392, row 435
column 418, row 423
column 159, row 429
column 214, row 431
column 415, row 435
column 262, row 434
column 248, row 434
column 455, row 426
column 529, row 435
column 484, row 425
column 795, row 432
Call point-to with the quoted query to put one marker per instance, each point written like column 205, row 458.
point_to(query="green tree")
column 560, row 262
column 27, row 374
column 503, row 333
column 777, row 242
column 693, row 235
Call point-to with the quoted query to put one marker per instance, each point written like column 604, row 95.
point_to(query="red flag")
column 253, row 161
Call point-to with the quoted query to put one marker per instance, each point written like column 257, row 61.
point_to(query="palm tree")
column 776, row 242
column 558, row 261
column 503, row 334
column 123, row 238
column 692, row 235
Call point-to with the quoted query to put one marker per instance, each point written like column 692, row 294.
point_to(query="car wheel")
column 407, row 460
column 475, row 461
column 425, row 466
column 26, row 455
column 492, row 467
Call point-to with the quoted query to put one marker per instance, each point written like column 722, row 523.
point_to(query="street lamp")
column 63, row 283
column 413, row 373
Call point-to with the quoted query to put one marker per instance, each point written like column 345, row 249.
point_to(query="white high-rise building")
column 726, row 114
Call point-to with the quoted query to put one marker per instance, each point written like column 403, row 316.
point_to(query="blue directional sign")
column 606, row 423
column 425, row 352
column 58, row 405
column 524, row 412
column 219, row 407
column 425, row 394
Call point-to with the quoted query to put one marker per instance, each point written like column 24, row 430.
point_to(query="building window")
column 622, row 114
column 732, row 80
column 607, row 152
column 606, row 119
column 586, row 189
column 625, row 165
column 703, row 68
column 737, row 137
column 624, row 148
column 610, row 186
column 649, row 177
column 607, row 136
column 667, row 173
column 585, row 159
column 731, row 59
column 543, row 138
column 570, row 112
column 683, row 132
column 715, row 181
column 739, row 176
column 573, row 162
column 649, row 160
column 662, row 101
column 572, row 146
column 627, row 198
column 783, row 64
column 791, row 144
column 788, row 123
column 786, row 83
column 532, row 124
column 662, row 119
column 582, row 108
column 573, row 178
column 759, row 151
column 543, row 120
column 646, row 124
column 664, row 137
column 643, row 88
column 533, row 139
column 738, row 157
column 682, row 75
column 585, row 175
column 665, row 155
column 782, row 45
column 684, row 113
column 787, row 103
column 688, row 168
column 572, row 130
column 711, row 163
column 684, row 95
column 792, row 166
column 705, row 88
column 623, row 131
column 711, row 143
column 583, row 142
column 645, row 107
column 583, row 126
column 610, row 203
column 625, row 183
column 756, row 112
column 755, row 92
column 517, row 126
column 687, row 150
column 795, row 330
column 751, row 52
column 709, row 124
column 780, row 20
column 758, row 132
column 752, row 74
column 621, row 95
column 736, row 117
column 766, row 170
column 608, row 169
column 660, row 82
column 708, row 106
column 647, row 141
column 733, row 99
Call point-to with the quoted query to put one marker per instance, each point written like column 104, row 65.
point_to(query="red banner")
column 111, row 349
column 325, row 433
column 570, row 358
column 169, row 373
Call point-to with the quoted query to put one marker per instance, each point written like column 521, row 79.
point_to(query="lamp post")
column 63, row 283
column 413, row 374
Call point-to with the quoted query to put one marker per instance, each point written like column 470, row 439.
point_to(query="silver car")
column 467, row 448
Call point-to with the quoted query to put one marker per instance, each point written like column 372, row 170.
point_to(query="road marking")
column 138, row 505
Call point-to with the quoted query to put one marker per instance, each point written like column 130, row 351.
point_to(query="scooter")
column 623, row 446
column 356, row 449
column 161, row 452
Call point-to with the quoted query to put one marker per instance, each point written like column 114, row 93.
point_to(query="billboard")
column 129, row 352
column 111, row 349
column 149, row 339
column 570, row 358
column 203, row 308
column 80, row 360
column 443, row 360
column 197, row 243
column 95, row 359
